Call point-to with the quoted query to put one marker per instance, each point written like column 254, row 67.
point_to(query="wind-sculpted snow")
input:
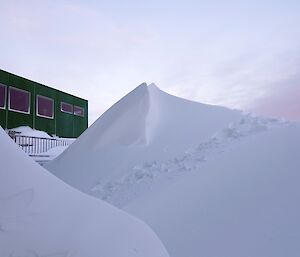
column 143, row 177
column 147, row 125
column 42, row 216
column 210, row 181
column 242, row 203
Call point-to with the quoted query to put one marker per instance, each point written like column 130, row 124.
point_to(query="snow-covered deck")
column 38, row 144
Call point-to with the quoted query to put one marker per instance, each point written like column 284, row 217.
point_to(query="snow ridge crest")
column 128, row 121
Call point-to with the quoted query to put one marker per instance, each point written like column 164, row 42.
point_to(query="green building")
column 27, row 103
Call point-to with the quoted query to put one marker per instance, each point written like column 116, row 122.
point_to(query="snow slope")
column 244, row 203
column 209, row 181
column 146, row 125
column 42, row 216
column 29, row 132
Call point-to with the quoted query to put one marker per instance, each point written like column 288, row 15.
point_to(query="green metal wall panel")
column 65, row 121
column 41, row 123
column 16, row 119
column 80, row 123
column 62, row 124
column 4, row 79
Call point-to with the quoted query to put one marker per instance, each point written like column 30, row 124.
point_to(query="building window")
column 2, row 96
column 78, row 111
column 45, row 107
column 19, row 100
column 65, row 107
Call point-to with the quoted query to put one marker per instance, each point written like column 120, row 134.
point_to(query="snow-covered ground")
column 29, row 132
column 42, row 216
column 244, row 202
column 49, row 155
column 210, row 181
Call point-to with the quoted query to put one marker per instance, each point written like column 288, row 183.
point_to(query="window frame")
column 37, row 107
column 83, row 112
column 29, row 100
column 5, row 96
column 61, row 103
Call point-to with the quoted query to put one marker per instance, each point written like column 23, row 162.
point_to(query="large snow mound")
column 42, row 216
column 244, row 203
column 210, row 181
column 146, row 125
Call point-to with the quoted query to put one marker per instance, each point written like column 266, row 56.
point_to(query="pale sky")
column 239, row 54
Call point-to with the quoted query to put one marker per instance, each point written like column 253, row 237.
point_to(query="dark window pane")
column 79, row 111
column 44, row 106
column 2, row 95
column 19, row 100
column 65, row 107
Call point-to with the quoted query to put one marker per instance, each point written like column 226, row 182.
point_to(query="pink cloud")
column 283, row 103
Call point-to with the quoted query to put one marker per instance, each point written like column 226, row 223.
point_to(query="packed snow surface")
column 210, row 181
column 147, row 125
column 29, row 132
column 42, row 216
column 244, row 203
column 49, row 155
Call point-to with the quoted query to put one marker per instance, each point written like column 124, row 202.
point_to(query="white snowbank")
column 51, row 154
column 147, row 177
column 244, row 203
column 209, row 181
column 146, row 125
column 29, row 132
column 42, row 216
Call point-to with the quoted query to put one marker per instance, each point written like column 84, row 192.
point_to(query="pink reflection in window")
column 2, row 95
column 79, row 111
column 19, row 100
column 65, row 107
column 45, row 107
